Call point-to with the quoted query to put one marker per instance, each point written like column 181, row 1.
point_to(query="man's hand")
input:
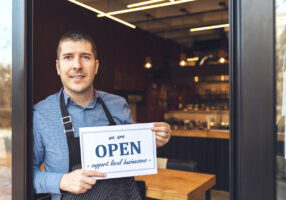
column 163, row 133
column 79, row 181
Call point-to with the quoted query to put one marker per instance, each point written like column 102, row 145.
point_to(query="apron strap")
column 106, row 111
column 66, row 118
column 73, row 142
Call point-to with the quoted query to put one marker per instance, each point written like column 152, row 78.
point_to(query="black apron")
column 109, row 189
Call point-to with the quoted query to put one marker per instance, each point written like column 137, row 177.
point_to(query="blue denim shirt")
column 50, row 144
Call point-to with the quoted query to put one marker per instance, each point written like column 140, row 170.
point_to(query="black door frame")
column 252, row 71
column 253, row 98
column 22, row 99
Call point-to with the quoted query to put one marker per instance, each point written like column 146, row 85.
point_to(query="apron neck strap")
column 66, row 118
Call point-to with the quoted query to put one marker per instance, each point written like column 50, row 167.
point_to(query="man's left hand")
column 163, row 133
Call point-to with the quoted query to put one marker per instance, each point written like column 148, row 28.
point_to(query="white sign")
column 119, row 151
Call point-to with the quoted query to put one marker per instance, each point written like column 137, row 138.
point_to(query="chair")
column 184, row 165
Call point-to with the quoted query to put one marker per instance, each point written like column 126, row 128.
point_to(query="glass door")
column 252, row 77
column 280, row 98
column 6, row 100
column 253, row 74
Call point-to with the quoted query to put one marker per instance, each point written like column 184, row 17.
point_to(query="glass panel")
column 166, row 72
column 5, row 99
column 281, row 97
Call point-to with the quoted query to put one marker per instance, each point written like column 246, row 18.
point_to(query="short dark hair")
column 77, row 36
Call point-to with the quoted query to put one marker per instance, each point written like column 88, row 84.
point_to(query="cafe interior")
column 169, row 59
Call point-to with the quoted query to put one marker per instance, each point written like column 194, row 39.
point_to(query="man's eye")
column 67, row 57
column 86, row 57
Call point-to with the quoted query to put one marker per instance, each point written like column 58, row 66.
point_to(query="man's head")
column 76, row 36
column 77, row 63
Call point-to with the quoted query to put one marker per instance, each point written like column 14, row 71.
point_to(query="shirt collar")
column 69, row 100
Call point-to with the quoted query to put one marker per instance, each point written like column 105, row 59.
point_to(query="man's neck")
column 81, row 99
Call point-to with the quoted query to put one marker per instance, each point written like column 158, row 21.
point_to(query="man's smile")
column 77, row 77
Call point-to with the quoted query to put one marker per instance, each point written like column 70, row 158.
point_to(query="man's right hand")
column 79, row 181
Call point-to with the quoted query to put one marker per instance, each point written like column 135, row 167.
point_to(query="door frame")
column 253, row 98
column 252, row 102
column 22, row 104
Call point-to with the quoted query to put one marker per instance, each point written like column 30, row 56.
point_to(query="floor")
column 5, row 183
column 281, row 189
column 217, row 195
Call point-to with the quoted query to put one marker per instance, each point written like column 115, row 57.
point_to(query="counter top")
column 197, row 111
column 215, row 133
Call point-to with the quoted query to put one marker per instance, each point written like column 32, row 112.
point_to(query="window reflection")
column 5, row 99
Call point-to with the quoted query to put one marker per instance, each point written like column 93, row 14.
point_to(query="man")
column 57, row 120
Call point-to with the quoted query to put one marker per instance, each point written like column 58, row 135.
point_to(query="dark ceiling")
column 173, row 22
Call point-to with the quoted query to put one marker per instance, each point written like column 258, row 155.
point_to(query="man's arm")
column 162, row 129
column 44, row 182
column 78, row 181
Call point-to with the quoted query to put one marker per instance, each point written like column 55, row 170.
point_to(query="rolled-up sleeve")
column 44, row 182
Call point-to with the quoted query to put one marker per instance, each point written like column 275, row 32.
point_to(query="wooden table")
column 177, row 185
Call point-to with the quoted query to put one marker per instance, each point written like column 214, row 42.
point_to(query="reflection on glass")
column 5, row 99
column 281, row 96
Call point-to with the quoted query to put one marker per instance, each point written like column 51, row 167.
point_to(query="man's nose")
column 77, row 63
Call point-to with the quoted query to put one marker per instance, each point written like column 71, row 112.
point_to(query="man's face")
column 76, row 66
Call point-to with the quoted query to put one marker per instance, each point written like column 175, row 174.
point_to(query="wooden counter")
column 217, row 134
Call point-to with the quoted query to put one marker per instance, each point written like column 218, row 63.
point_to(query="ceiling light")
column 203, row 60
column 193, row 59
column 144, row 7
column 221, row 60
column 100, row 12
column 222, row 78
column 209, row 27
column 148, row 63
column 183, row 63
column 143, row 3
column 196, row 79
column 183, row 59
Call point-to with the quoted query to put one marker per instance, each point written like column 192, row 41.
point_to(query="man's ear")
column 96, row 66
column 57, row 66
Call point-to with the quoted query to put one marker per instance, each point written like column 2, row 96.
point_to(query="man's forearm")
column 47, row 182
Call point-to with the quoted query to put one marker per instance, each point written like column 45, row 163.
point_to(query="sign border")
column 116, row 128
